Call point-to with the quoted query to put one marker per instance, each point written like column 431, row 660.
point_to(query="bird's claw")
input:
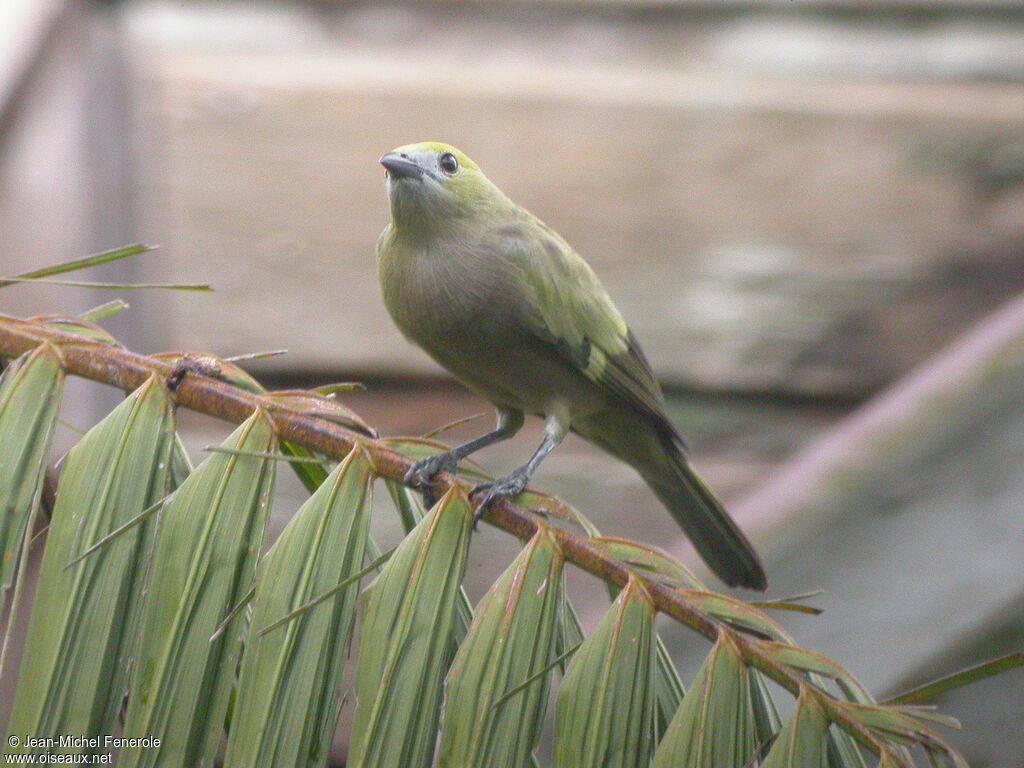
column 488, row 493
column 421, row 475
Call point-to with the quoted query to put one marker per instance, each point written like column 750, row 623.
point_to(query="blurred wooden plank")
column 58, row 193
column 907, row 515
column 990, row 710
column 51, row 178
column 25, row 26
column 793, row 234
column 797, row 6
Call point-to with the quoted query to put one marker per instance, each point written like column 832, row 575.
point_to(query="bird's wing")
column 567, row 307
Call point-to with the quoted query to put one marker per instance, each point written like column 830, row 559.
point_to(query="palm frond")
column 89, row 611
column 404, row 643
column 287, row 703
column 513, row 637
column 172, row 591
column 30, row 391
column 715, row 723
column 204, row 560
column 604, row 713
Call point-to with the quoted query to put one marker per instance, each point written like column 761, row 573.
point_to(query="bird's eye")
column 448, row 163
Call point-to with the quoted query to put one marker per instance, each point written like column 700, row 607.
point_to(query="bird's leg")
column 555, row 429
column 420, row 475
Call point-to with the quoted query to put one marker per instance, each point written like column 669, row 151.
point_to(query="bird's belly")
column 474, row 333
column 517, row 373
column 484, row 351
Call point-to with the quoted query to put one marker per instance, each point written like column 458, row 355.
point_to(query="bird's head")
column 433, row 186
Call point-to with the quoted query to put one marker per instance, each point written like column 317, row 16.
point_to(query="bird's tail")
column 656, row 451
column 718, row 539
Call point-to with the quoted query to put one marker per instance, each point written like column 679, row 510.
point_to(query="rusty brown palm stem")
column 127, row 370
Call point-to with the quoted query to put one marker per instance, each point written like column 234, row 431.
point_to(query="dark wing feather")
column 567, row 307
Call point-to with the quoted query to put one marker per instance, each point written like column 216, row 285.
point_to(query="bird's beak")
column 400, row 167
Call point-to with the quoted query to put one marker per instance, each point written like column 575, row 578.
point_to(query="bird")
column 500, row 300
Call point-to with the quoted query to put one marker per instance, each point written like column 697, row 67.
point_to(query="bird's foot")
column 421, row 475
column 488, row 493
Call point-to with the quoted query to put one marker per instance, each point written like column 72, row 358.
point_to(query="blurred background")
column 811, row 212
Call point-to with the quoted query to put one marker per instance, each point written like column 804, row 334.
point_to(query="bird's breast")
column 461, row 310
column 444, row 300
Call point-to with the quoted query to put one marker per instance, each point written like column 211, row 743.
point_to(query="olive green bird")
column 499, row 299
